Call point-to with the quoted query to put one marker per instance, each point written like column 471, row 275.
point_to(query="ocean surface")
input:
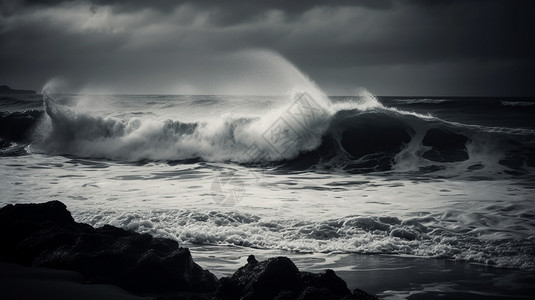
column 399, row 187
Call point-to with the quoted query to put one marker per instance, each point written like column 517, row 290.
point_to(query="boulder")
column 45, row 235
column 279, row 278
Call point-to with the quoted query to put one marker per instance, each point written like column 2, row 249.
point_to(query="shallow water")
column 388, row 276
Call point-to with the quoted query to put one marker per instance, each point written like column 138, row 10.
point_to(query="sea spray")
column 384, row 178
column 300, row 118
column 301, row 129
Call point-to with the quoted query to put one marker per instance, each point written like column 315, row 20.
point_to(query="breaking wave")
column 357, row 135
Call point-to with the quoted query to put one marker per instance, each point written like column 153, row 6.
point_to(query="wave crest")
column 295, row 132
column 279, row 134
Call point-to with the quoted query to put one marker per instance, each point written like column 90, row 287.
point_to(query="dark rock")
column 251, row 259
column 327, row 281
column 261, row 280
column 279, row 278
column 4, row 89
column 362, row 295
column 45, row 235
column 33, row 214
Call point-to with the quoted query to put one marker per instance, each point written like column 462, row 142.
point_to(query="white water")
column 306, row 212
column 488, row 220
column 217, row 129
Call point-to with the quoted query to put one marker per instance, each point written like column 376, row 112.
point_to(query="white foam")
column 363, row 102
column 77, row 128
column 231, row 228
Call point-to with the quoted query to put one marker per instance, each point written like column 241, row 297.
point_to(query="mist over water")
column 303, row 128
column 208, row 130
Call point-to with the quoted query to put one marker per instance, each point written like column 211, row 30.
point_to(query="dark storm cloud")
column 235, row 5
column 222, row 12
column 393, row 47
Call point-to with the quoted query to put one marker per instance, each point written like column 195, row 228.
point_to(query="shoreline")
column 389, row 276
column 445, row 279
column 46, row 235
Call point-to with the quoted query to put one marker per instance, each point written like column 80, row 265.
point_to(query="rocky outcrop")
column 45, row 235
column 279, row 278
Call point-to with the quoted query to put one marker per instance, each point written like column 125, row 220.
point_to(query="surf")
column 302, row 129
column 279, row 132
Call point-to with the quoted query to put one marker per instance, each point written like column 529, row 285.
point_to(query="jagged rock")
column 279, row 278
column 251, row 259
column 45, row 235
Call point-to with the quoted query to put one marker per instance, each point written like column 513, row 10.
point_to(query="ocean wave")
column 68, row 131
column 357, row 135
column 18, row 126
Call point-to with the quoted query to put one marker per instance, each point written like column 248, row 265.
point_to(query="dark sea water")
column 368, row 186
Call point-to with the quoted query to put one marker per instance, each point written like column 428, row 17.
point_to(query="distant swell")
column 518, row 103
column 382, row 140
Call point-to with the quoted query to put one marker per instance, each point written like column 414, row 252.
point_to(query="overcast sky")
column 435, row 47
